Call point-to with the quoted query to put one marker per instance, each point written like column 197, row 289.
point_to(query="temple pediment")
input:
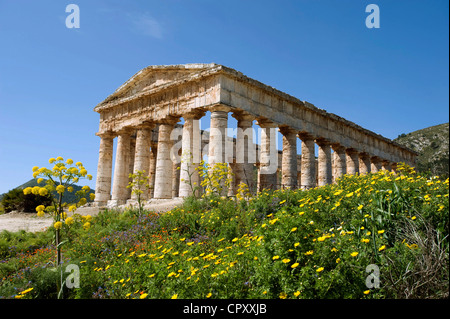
column 156, row 77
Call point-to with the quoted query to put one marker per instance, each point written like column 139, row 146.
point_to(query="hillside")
column 67, row 197
column 432, row 144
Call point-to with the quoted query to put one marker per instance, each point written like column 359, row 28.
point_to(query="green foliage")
column 278, row 244
column 68, row 197
column 16, row 200
column 138, row 185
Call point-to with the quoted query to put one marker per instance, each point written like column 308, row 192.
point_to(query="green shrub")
column 16, row 200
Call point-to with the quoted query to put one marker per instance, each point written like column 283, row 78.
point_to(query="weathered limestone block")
column 386, row 165
column 308, row 179
column 269, row 156
column 121, row 168
column 364, row 163
column 289, row 158
column 217, row 135
column 131, row 163
column 339, row 162
column 191, row 154
column 325, row 175
column 352, row 161
column 104, row 169
column 142, row 155
column 245, row 152
column 152, row 170
column 164, row 165
column 375, row 164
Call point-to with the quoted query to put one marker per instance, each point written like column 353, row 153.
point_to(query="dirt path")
column 16, row 221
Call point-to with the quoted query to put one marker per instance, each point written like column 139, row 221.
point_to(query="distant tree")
column 15, row 199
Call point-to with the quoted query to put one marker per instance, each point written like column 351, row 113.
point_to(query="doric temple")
column 144, row 114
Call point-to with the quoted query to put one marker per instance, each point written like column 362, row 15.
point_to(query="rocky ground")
column 15, row 221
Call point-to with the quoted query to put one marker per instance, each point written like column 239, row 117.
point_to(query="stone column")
column 340, row 162
column 299, row 170
column 325, row 175
column 176, row 179
column 364, row 163
column 394, row 168
column 217, row 152
column 131, row 163
column 308, row 179
column 142, row 155
column 104, row 169
column 217, row 134
column 164, row 165
column 232, row 177
column 191, row 154
column 375, row 164
column 289, row 158
column 245, row 152
column 152, row 169
column 352, row 161
column 121, row 168
column 268, row 161
column 386, row 165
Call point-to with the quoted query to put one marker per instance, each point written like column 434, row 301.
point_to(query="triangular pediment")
column 155, row 76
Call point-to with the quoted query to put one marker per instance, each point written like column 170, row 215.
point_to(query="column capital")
column 194, row 114
column 322, row 141
column 219, row 107
column 171, row 120
column 107, row 134
column 240, row 115
column 265, row 123
column 146, row 125
column 127, row 130
column 363, row 155
column 285, row 130
column 305, row 136
column 351, row 151
column 375, row 159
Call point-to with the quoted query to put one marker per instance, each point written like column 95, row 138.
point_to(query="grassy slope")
column 432, row 144
column 280, row 244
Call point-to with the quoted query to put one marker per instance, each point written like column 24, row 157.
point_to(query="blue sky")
column 390, row 80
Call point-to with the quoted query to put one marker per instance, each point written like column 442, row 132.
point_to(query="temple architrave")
column 144, row 115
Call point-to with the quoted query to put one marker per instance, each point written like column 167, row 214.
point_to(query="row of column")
column 157, row 161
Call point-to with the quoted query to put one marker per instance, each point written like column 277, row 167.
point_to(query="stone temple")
column 144, row 115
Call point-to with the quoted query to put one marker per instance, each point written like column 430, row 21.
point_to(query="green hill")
column 432, row 144
column 67, row 197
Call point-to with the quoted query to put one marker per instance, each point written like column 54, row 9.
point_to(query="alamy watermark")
column 373, row 280
column 373, row 19
column 73, row 279
column 73, row 19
